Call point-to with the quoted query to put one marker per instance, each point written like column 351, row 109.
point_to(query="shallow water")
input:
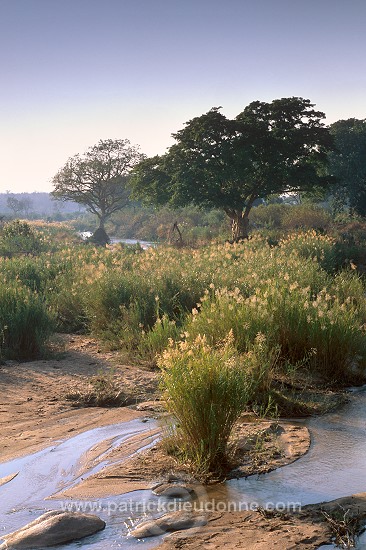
column 143, row 244
column 51, row 470
column 335, row 466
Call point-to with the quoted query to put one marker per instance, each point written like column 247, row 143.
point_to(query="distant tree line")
column 36, row 205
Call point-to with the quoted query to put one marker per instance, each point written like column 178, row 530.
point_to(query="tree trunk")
column 240, row 220
column 172, row 230
column 239, row 226
column 102, row 219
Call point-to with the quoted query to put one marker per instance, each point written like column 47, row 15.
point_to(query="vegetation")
column 37, row 205
column 139, row 299
column 100, row 391
column 206, row 388
column 345, row 526
column 197, row 226
column 269, row 148
column 348, row 164
column 25, row 323
column 19, row 206
column 19, row 238
column 230, row 326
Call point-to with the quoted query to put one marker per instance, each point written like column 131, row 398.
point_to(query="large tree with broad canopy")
column 216, row 162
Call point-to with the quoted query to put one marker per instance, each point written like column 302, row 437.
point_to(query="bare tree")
column 98, row 178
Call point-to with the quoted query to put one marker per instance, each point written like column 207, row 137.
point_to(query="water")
column 334, row 467
column 143, row 244
column 61, row 466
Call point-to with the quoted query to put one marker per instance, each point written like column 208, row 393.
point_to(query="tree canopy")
column 98, row 178
column 348, row 163
column 216, row 162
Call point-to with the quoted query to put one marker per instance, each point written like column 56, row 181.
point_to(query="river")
column 334, row 467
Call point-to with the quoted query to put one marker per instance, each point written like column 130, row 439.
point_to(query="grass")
column 225, row 323
column 154, row 341
column 101, row 390
column 25, row 323
column 206, row 389
column 292, row 293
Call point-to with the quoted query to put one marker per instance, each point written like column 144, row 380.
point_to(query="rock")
column 174, row 490
column 55, row 527
column 176, row 521
column 152, row 406
column 6, row 479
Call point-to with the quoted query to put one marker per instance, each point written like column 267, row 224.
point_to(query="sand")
column 34, row 413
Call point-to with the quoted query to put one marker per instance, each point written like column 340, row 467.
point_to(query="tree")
column 14, row 204
column 98, row 179
column 348, row 163
column 19, row 205
column 216, row 162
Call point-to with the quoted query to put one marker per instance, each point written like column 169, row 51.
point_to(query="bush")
column 306, row 216
column 290, row 217
column 269, row 216
column 324, row 249
column 154, row 341
column 122, row 302
column 101, row 391
column 25, row 323
column 18, row 238
column 206, row 389
column 320, row 327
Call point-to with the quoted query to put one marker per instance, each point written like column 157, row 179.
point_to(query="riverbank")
column 303, row 530
column 34, row 409
column 35, row 412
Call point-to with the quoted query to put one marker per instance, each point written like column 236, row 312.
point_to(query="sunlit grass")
column 206, row 389
column 292, row 293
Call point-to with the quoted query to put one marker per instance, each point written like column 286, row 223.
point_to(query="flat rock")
column 175, row 521
column 174, row 490
column 8, row 478
column 55, row 527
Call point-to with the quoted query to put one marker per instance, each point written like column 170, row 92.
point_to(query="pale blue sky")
column 76, row 71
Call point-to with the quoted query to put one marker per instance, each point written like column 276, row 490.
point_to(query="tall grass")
column 206, row 389
column 324, row 329
column 25, row 323
column 154, row 341
column 293, row 293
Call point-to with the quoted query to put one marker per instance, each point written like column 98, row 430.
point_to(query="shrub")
column 154, row 341
column 269, row 216
column 206, row 388
column 17, row 238
column 25, row 324
column 322, row 329
column 101, row 391
column 306, row 216
column 310, row 245
column 118, row 305
column 122, row 301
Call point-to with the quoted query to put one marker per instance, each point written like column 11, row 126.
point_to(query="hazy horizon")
column 77, row 71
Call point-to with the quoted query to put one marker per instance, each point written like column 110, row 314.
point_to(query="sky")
column 73, row 72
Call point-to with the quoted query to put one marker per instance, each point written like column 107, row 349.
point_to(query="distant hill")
column 35, row 205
